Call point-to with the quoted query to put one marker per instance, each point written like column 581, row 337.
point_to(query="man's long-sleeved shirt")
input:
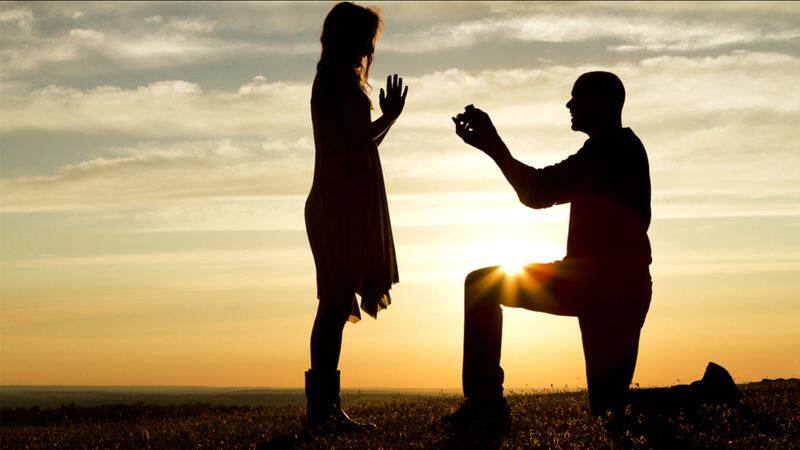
column 607, row 183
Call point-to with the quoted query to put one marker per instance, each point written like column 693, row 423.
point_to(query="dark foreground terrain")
column 770, row 419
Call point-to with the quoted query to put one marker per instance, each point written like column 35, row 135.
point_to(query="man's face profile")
column 581, row 107
column 597, row 99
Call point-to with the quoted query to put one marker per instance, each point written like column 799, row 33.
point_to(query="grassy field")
column 770, row 419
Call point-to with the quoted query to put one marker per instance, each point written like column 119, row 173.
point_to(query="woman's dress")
column 346, row 213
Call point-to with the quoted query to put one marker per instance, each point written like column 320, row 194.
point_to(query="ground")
column 770, row 419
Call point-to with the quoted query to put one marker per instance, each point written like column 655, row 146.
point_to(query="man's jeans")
column 610, row 301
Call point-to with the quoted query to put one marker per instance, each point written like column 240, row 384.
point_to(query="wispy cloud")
column 176, row 41
column 629, row 32
column 163, row 108
column 151, row 35
column 662, row 89
column 20, row 17
column 716, row 136
column 193, row 25
column 152, row 174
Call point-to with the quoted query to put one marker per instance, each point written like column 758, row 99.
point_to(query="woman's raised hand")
column 393, row 99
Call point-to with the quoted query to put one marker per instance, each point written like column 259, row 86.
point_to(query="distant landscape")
column 173, row 417
column 55, row 396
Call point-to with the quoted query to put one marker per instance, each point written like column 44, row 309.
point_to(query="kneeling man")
column 604, row 279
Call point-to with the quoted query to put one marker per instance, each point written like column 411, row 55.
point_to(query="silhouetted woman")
column 346, row 213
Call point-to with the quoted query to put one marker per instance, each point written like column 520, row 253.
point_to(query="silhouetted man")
column 604, row 279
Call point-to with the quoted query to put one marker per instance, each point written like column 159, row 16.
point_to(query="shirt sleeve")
column 551, row 185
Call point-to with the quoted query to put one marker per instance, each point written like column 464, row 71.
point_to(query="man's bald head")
column 606, row 87
column 596, row 103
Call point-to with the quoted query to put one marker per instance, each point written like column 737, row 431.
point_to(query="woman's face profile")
column 368, row 47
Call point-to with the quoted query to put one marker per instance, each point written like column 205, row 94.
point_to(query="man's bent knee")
column 481, row 276
column 479, row 286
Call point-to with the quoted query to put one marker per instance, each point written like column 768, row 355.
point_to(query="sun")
column 510, row 253
column 513, row 256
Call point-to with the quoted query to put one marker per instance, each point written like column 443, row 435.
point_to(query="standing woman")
column 347, row 218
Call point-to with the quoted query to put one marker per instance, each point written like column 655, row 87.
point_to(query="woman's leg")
column 323, row 381
column 326, row 335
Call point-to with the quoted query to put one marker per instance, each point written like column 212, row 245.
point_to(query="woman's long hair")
column 348, row 38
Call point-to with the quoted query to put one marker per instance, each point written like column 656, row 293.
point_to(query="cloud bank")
column 714, row 127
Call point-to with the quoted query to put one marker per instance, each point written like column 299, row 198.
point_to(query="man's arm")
column 536, row 188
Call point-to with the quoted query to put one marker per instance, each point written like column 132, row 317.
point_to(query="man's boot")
column 491, row 413
column 717, row 387
column 325, row 415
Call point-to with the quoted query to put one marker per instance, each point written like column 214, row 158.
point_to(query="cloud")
column 634, row 31
column 718, row 131
column 20, row 17
column 178, row 41
column 66, row 48
column 91, row 37
column 152, row 174
column 156, row 36
column 193, row 25
column 660, row 89
column 163, row 108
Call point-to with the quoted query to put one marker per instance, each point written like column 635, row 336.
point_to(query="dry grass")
column 558, row 420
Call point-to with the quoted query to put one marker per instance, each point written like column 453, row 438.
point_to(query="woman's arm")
column 392, row 102
column 380, row 127
column 353, row 127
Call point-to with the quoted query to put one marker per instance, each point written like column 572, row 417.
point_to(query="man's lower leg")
column 482, row 375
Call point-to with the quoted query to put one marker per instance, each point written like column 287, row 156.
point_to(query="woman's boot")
column 325, row 413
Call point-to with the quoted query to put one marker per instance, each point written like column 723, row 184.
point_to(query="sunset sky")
column 155, row 159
